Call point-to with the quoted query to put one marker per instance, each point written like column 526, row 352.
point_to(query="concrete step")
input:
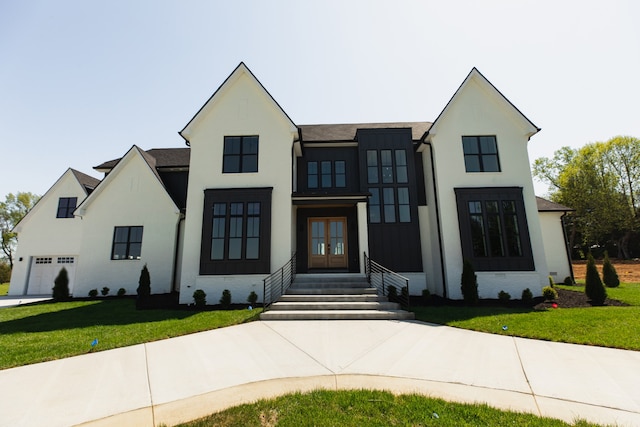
column 325, row 305
column 337, row 315
column 330, row 278
column 295, row 290
column 332, row 298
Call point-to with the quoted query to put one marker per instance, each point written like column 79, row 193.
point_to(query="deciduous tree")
column 12, row 210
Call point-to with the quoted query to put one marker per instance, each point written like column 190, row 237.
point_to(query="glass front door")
column 328, row 243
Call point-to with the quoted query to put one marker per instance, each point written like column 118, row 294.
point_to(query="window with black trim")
column 493, row 228
column 66, row 206
column 127, row 243
column 326, row 174
column 480, row 153
column 240, row 154
column 236, row 231
column 389, row 202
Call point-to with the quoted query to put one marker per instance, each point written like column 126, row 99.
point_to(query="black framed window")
column 480, row 154
column 372, row 166
column 240, row 154
column 325, row 174
column 66, row 206
column 493, row 228
column 340, row 174
column 127, row 243
column 374, row 206
column 312, row 174
column 236, row 231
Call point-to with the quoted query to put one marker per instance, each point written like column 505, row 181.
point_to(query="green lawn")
column 602, row 326
column 4, row 289
column 368, row 408
column 46, row 331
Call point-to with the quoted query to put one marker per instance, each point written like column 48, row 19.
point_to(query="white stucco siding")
column 42, row 234
column 133, row 196
column 240, row 108
column 478, row 111
column 554, row 245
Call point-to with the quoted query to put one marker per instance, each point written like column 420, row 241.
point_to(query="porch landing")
column 333, row 296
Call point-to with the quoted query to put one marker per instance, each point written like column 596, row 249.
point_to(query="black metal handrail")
column 388, row 283
column 277, row 283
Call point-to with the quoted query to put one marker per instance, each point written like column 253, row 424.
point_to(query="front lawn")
column 47, row 331
column 4, row 289
column 368, row 408
column 606, row 326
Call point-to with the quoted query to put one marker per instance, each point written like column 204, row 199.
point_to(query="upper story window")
column 387, row 167
column 480, row 154
column 66, row 206
column 327, row 174
column 127, row 243
column 240, row 154
column 389, row 202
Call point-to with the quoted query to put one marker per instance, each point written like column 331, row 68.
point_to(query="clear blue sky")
column 82, row 81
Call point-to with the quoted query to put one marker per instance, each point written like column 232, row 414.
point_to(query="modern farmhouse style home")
column 252, row 188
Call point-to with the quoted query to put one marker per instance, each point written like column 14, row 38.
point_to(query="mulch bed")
column 574, row 299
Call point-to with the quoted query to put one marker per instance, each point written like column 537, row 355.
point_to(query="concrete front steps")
column 333, row 297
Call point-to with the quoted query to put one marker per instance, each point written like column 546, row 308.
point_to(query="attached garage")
column 45, row 269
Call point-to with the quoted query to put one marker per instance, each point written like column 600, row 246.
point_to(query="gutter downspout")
column 175, row 253
column 435, row 196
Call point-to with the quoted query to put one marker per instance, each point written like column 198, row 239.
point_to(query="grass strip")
column 47, row 331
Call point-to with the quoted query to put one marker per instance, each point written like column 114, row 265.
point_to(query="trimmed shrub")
column 504, row 297
column 469, row 283
column 144, row 288
column 551, row 282
column 61, row 286
column 122, row 292
column 426, row 295
column 549, row 293
column 609, row 273
column 93, row 293
column 568, row 281
column 252, row 298
column 392, row 294
column 527, row 296
column 593, row 284
column 225, row 300
column 105, row 291
column 200, row 298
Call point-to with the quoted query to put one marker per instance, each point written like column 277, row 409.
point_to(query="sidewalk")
column 187, row 377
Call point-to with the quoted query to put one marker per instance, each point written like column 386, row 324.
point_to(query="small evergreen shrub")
column 426, row 295
column 105, row 291
column 527, row 296
column 549, row 293
column 504, row 297
column 551, row 282
column 609, row 273
column 61, row 286
column 392, row 294
column 93, row 293
column 568, row 281
column 252, row 298
column 593, row 284
column 200, row 298
column 144, row 288
column 225, row 300
column 122, row 292
column 469, row 283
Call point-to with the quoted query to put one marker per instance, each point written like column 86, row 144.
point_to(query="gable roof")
column 240, row 70
column 476, row 75
column 545, row 205
column 347, row 131
column 86, row 181
column 163, row 157
column 149, row 160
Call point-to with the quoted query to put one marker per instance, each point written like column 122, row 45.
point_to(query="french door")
column 328, row 243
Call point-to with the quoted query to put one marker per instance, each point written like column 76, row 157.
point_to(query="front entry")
column 328, row 243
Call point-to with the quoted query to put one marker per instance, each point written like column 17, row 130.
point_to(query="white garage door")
column 45, row 269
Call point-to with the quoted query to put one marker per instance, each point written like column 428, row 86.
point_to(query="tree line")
column 601, row 182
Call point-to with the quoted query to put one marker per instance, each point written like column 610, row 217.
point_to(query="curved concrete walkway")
column 184, row 378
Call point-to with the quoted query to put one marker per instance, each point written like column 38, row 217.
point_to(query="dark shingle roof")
column 545, row 205
column 347, row 132
column 164, row 158
column 88, row 182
